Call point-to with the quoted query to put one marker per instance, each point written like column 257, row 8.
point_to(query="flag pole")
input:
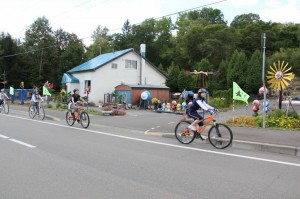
column 233, row 113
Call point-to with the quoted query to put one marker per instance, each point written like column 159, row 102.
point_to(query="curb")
column 248, row 145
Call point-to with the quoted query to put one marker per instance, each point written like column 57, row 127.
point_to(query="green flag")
column 239, row 94
column 45, row 91
column 11, row 90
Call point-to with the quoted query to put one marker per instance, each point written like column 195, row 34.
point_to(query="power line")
column 195, row 8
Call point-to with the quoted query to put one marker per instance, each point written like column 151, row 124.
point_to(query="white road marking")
column 163, row 144
column 22, row 143
column 3, row 136
column 171, row 122
column 157, row 126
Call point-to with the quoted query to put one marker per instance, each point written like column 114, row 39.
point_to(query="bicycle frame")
column 79, row 109
column 209, row 119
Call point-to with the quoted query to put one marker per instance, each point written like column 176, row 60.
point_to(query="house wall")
column 161, row 94
column 105, row 79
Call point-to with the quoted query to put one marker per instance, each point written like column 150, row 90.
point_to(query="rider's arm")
column 82, row 99
column 204, row 105
column 208, row 106
column 41, row 98
column 6, row 96
column 72, row 100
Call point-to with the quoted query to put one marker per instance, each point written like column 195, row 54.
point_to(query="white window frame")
column 130, row 64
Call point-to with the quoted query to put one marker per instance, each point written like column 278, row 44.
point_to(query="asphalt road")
column 48, row 159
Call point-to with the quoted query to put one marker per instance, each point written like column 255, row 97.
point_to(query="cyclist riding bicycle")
column 35, row 98
column 198, row 102
column 3, row 96
column 75, row 98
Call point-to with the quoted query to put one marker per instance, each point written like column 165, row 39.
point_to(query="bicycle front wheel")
column 41, row 113
column 220, row 136
column 84, row 119
column 6, row 108
column 70, row 118
column 183, row 134
column 31, row 111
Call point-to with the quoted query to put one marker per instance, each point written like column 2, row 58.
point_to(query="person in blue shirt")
column 198, row 102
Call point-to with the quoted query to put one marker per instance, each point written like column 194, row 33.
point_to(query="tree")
column 236, row 69
column 184, row 81
column 172, row 79
column 244, row 20
column 10, row 70
column 41, row 64
column 101, row 43
column 254, row 73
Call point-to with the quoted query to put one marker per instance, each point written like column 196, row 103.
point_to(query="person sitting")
column 198, row 102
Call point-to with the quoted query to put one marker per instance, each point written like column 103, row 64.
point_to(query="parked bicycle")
column 219, row 135
column 37, row 110
column 4, row 107
column 81, row 116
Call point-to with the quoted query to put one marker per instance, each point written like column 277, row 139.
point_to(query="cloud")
column 281, row 11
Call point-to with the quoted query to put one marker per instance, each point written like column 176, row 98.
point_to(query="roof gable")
column 68, row 78
column 99, row 61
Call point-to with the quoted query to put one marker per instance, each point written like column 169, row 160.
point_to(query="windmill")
column 279, row 77
column 200, row 83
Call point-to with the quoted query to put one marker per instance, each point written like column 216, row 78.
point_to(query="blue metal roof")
column 68, row 78
column 99, row 61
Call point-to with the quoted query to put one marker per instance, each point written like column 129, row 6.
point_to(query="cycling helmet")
column 76, row 89
column 202, row 90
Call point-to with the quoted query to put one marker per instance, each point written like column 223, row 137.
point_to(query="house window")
column 87, row 86
column 130, row 64
column 114, row 66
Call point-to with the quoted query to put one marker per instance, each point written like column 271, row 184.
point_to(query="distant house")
column 103, row 73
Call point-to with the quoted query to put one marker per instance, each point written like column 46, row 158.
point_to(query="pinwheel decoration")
column 280, row 76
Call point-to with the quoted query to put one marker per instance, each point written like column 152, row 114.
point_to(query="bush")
column 283, row 121
column 49, row 106
column 58, row 105
column 220, row 103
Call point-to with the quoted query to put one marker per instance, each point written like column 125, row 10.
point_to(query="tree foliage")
column 199, row 39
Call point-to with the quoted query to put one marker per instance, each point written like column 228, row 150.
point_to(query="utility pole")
column 263, row 80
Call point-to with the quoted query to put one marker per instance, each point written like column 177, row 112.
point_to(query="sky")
column 83, row 16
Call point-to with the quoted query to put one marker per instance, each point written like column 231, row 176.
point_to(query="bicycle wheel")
column 70, row 118
column 41, row 113
column 220, row 136
column 183, row 134
column 32, row 111
column 84, row 119
column 6, row 108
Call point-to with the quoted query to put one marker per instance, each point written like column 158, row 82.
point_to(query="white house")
column 104, row 72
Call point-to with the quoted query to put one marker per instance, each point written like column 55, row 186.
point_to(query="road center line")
column 22, row 143
column 164, row 144
column 3, row 136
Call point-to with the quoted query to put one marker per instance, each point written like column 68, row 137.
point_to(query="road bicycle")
column 219, row 135
column 37, row 110
column 81, row 116
column 4, row 107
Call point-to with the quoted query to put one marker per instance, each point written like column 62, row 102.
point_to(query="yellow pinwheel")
column 278, row 76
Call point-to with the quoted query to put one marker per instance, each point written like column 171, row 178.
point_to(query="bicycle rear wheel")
column 6, row 108
column 84, row 119
column 70, row 118
column 31, row 111
column 183, row 134
column 220, row 136
column 41, row 113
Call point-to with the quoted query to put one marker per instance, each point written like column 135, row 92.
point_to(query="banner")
column 239, row 94
column 45, row 91
column 11, row 91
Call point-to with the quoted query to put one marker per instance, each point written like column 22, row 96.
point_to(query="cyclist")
column 35, row 98
column 3, row 96
column 75, row 98
column 198, row 102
